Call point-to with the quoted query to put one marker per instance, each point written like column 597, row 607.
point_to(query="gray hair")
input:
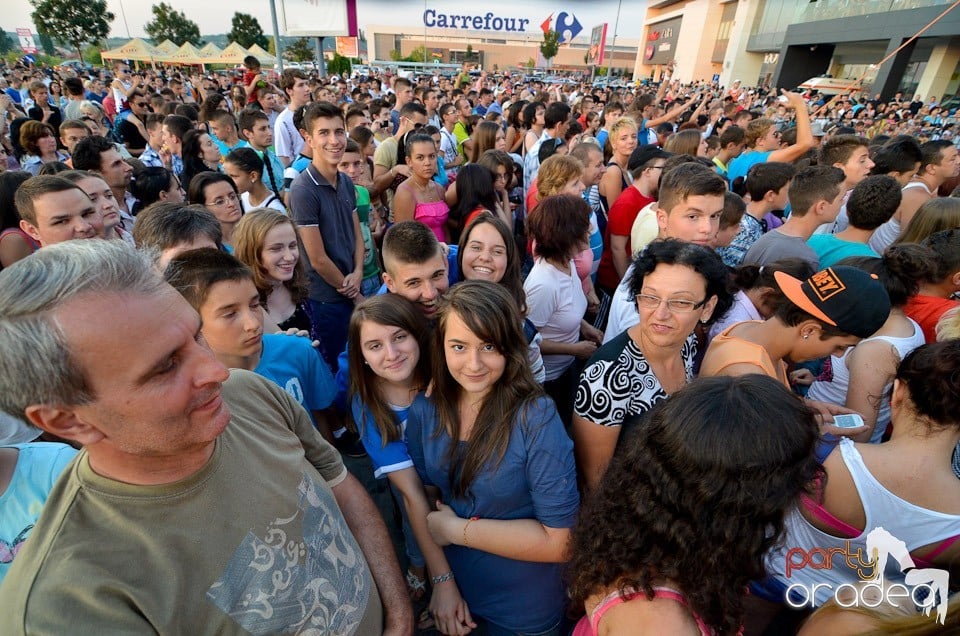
column 37, row 366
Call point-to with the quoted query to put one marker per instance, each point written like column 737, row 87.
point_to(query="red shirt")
column 927, row 310
column 247, row 80
column 620, row 222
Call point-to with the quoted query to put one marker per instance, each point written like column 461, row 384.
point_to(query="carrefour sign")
column 566, row 24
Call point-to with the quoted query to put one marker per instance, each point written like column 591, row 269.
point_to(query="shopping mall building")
column 776, row 42
column 504, row 35
column 785, row 42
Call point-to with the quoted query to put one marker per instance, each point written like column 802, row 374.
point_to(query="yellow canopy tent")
column 264, row 56
column 210, row 50
column 167, row 47
column 187, row 54
column 232, row 54
column 135, row 50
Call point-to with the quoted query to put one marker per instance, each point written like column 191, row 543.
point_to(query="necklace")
column 427, row 192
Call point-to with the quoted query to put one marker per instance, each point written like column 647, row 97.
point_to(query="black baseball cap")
column 848, row 298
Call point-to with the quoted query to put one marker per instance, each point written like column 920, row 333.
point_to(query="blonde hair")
column 555, row 172
column 756, row 130
column 948, row 327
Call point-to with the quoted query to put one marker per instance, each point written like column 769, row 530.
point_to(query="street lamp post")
column 613, row 46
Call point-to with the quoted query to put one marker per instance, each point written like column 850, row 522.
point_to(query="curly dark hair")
column 700, row 259
column 930, row 373
column 696, row 496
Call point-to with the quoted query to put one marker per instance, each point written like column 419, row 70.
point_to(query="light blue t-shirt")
column 741, row 165
column 39, row 465
column 294, row 365
column 830, row 249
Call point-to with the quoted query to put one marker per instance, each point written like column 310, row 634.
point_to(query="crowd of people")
column 617, row 356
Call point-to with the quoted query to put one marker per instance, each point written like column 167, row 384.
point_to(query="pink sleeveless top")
column 590, row 625
column 434, row 216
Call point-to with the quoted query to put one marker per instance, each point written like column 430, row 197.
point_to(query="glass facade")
column 723, row 33
column 770, row 26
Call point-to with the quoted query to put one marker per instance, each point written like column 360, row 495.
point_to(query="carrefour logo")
column 566, row 24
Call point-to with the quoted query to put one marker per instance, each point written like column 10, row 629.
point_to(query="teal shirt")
column 831, row 249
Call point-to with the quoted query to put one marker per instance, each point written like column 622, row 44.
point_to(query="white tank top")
column 911, row 524
column 889, row 232
column 835, row 391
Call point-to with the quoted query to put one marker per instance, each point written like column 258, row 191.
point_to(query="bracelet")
column 436, row 580
column 467, row 525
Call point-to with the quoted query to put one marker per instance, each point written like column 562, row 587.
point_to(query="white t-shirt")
column 555, row 305
column 287, row 141
column 623, row 309
column 272, row 202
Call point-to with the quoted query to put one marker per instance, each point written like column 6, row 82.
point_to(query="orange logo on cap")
column 826, row 284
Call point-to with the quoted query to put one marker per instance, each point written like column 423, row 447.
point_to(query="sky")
column 214, row 17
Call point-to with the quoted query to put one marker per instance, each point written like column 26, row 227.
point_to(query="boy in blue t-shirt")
column 222, row 290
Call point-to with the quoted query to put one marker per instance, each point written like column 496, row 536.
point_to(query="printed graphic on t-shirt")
column 306, row 574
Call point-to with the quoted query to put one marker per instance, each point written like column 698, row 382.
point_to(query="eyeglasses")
column 418, row 126
column 139, row 104
column 219, row 202
column 675, row 305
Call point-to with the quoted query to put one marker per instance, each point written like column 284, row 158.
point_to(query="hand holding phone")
column 848, row 420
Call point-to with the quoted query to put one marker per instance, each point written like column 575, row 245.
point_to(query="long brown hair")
column 511, row 277
column 491, row 313
column 248, row 238
column 389, row 310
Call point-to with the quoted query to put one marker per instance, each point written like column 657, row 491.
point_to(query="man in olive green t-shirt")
column 203, row 501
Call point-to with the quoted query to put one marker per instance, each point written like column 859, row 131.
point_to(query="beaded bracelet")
column 436, row 580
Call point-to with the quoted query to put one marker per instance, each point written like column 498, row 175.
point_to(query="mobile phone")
column 851, row 420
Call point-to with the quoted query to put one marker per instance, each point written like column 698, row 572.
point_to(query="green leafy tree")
column 6, row 43
column 78, row 22
column 271, row 45
column 338, row 64
column 396, row 56
column 168, row 24
column 91, row 55
column 300, row 51
column 550, row 46
column 246, row 31
column 469, row 52
column 46, row 43
column 418, row 54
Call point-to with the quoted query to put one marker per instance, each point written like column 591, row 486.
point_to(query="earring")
column 806, row 336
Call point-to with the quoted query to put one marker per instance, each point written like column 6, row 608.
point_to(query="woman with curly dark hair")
column 689, row 507
column 675, row 286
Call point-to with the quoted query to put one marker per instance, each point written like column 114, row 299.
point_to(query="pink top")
column 590, row 626
column 434, row 216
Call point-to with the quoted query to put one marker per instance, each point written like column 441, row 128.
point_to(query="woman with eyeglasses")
column 218, row 193
column 676, row 285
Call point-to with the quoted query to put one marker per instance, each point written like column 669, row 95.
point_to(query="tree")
column 78, row 23
column 300, row 51
column 246, row 31
column 550, row 45
column 271, row 46
column 91, row 55
column 418, row 54
column 168, row 24
column 46, row 43
column 6, row 42
column 338, row 65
